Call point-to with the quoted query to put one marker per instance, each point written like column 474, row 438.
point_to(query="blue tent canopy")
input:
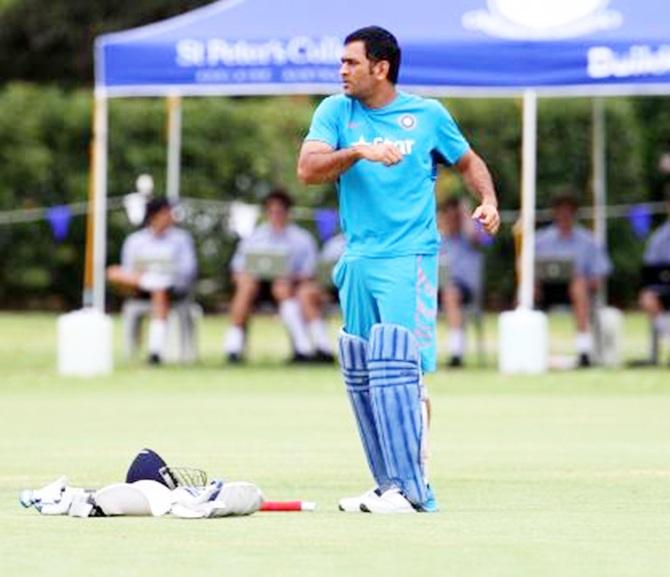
column 450, row 47
column 459, row 46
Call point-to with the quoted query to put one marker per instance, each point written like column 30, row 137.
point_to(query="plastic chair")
column 183, row 320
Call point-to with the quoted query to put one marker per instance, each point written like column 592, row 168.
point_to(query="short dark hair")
column 565, row 198
column 154, row 206
column 279, row 195
column 380, row 45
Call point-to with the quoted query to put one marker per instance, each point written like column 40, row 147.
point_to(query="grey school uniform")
column 658, row 246
column 589, row 259
column 658, row 253
column 464, row 262
column 171, row 253
column 295, row 241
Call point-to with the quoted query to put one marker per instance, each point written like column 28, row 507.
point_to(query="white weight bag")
column 85, row 343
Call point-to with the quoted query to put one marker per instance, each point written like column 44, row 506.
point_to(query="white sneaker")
column 391, row 501
column 353, row 504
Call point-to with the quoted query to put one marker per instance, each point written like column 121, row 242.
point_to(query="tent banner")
column 316, row 61
column 216, row 61
column 262, row 45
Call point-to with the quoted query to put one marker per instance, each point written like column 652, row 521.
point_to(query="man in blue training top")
column 382, row 146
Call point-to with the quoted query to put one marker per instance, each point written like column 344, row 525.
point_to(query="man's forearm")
column 478, row 180
column 319, row 167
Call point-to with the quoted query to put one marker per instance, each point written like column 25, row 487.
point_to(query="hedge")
column 236, row 148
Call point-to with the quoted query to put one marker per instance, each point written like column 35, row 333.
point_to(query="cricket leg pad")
column 394, row 364
column 139, row 499
column 353, row 352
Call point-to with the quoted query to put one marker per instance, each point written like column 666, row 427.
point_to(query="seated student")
column 298, row 296
column 159, row 263
column 655, row 298
column 567, row 241
column 460, row 254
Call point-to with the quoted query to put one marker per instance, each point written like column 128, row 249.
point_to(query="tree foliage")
column 236, row 148
column 53, row 41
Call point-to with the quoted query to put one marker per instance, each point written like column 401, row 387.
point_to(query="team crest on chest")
column 407, row 121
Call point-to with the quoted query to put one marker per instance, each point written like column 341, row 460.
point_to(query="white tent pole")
column 599, row 159
column 174, row 146
column 100, row 123
column 528, row 174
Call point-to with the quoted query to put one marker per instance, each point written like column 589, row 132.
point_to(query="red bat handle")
column 288, row 506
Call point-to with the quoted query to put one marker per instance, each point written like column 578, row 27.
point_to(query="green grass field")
column 566, row 474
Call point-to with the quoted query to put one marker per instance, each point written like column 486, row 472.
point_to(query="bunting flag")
column 59, row 219
column 242, row 218
column 327, row 222
column 639, row 217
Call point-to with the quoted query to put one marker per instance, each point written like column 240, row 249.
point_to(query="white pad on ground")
column 159, row 496
column 139, row 499
column 219, row 500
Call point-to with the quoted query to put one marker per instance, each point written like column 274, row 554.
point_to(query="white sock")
column 289, row 310
column 157, row 336
column 456, row 342
column 662, row 325
column 584, row 343
column 233, row 343
column 319, row 334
